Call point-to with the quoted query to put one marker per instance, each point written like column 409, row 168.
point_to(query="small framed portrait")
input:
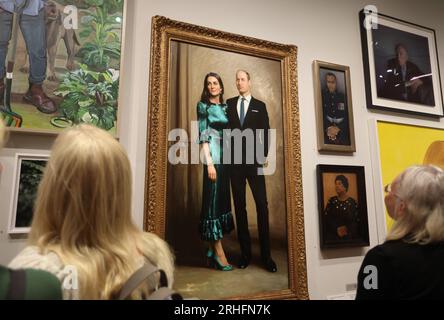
column 343, row 220
column 334, row 111
column 400, row 65
column 27, row 175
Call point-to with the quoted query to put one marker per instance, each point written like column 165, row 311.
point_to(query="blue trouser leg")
column 33, row 30
column 5, row 33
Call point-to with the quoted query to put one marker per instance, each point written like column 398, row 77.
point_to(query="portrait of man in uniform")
column 334, row 108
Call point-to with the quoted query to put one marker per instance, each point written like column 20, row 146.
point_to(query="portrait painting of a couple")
column 226, row 212
column 241, row 112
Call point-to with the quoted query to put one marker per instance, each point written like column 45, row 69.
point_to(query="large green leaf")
column 89, row 96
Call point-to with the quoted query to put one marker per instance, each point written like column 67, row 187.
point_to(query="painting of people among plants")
column 78, row 80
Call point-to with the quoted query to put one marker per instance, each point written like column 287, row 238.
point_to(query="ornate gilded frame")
column 163, row 32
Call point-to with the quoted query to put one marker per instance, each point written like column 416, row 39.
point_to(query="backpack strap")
column 17, row 285
column 138, row 277
column 164, row 293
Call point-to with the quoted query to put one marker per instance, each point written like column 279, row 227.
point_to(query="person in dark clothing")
column 405, row 81
column 341, row 213
column 248, row 114
column 410, row 264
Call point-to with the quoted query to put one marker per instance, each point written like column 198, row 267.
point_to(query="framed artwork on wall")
column 401, row 65
column 343, row 218
column 78, row 82
column 27, row 175
column 334, row 110
column 395, row 147
column 186, row 60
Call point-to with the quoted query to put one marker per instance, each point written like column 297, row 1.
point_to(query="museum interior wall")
column 322, row 30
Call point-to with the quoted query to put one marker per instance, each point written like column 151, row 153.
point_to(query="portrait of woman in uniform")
column 333, row 107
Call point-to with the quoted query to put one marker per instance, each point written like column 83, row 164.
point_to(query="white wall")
column 322, row 30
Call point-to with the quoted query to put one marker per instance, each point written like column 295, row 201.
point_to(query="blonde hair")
column 422, row 190
column 2, row 133
column 83, row 214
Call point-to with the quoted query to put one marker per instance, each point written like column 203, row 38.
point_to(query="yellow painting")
column 402, row 145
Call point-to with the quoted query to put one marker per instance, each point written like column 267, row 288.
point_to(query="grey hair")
column 422, row 190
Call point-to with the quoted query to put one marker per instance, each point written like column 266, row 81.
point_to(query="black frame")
column 368, row 84
column 362, row 205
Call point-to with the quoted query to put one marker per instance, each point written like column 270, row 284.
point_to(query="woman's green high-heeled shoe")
column 220, row 266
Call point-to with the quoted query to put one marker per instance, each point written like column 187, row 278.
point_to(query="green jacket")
column 38, row 285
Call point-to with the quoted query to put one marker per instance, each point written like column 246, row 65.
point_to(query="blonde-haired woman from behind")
column 27, row 284
column 82, row 219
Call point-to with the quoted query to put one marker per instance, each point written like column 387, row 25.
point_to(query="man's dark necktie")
column 242, row 111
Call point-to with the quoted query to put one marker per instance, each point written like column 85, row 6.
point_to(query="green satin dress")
column 216, row 217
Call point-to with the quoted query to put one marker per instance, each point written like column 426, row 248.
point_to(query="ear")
column 401, row 208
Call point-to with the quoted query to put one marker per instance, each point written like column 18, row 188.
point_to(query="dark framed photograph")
column 188, row 64
column 334, row 110
column 28, row 174
column 401, row 65
column 343, row 219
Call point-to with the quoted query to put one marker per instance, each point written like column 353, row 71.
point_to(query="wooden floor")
column 200, row 282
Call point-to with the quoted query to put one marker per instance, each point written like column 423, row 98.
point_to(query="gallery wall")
column 322, row 30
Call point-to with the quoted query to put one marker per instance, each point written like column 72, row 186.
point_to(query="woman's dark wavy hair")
column 343, row 180
column 205, row 96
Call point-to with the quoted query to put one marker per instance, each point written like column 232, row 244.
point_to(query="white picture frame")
column 16, row 223
column 378, row 189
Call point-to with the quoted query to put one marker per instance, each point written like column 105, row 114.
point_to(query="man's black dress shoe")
column 243, row 262
column 270, row 265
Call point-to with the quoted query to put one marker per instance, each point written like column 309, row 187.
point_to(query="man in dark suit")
column 405, row 81
column 248, row 119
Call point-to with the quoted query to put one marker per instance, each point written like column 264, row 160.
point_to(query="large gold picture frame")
column 165, row 35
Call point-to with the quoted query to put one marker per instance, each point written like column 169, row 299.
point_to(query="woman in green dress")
column 216, row 218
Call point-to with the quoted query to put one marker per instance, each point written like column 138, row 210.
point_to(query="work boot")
column 37, row 97
column 2, row 92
